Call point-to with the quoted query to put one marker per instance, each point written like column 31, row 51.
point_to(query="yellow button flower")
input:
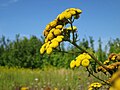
column 57, row 32
column 49, row 50
column 47, row 27
column 85, row 62
column 78, row 61
column 50, row 36
column 54, row 39
column 53, row 23
column 59, row 26
column 79, row 11
column 60, row 36
column 72, row 12
column 52, row 30
column 61, row 16
column 113, row 58
column 42, row 50
column 95, row 85
column 59, row 39
column 67, row 15
column 54, row 44
column 72, row 64
column 87, row 56
column 80, row 57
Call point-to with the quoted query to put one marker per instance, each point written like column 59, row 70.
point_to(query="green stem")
column 73, row 35
column 96, row 76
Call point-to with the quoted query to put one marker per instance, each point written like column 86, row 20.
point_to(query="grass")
column 45, row 79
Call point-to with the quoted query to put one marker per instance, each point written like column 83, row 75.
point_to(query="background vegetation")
column 24, row 52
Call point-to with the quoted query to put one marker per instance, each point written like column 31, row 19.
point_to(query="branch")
column 96, row 76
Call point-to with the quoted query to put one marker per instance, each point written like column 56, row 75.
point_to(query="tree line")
column 24, row 52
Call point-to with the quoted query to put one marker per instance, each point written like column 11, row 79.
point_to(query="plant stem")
column 96, row 76
column 73, row 36
column 74, row 43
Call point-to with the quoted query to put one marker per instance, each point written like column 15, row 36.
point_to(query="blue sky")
column 100, row 18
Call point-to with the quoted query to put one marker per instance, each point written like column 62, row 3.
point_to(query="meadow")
column 49, row 78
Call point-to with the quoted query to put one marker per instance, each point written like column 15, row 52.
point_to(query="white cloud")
column 9, row 2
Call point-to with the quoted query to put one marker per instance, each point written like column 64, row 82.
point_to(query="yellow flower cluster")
column 82, row 59
column 68, row 13
column 112, row 63
column 54, row 32
column 114, row 57
column 49, row 45
column 110, row 67
column 94, row 86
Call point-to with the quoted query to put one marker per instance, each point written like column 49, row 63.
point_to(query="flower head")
column 59, row 27
column 85, row 62
column 49, row 50
column 42, row 50
column 59, row 39
column 72, row 12
column 72, row 64
column 57, row 32
column 54, row 44
column 67, row 15
column 78, row 62
column 53, row 23
column 95, row 86
column 113, row 58
column 50, row 36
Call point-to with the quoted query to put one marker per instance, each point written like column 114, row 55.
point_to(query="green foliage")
column 21, row 52
column 24, row 52
column 100, row 54
column 114, row 45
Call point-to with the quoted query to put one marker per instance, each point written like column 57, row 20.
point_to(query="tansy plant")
column 61, row 29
